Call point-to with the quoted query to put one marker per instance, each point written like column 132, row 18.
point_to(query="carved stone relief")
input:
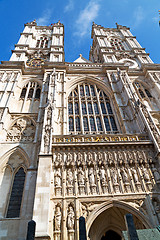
column 22, row 130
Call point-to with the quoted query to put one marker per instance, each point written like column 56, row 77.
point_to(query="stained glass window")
column 85, row 123
column 114, row 127
column 109, row 108
column 99, row 125
column 96, row 110
column 84, row 110
column 90, row 110
column 92, row 124
column 87, row 90
column 77, row 120
column 71, row 124
column 103, row 108
column 76, row 106
column 148, row 93
column 70, row 108
column 106, row 122
column 141, row 93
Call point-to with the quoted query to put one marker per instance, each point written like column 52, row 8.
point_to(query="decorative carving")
column 89, row 159
column 58, row 160
column 92, row 180
column 22, row 130
column 69, row 181
column 69, row 161
column 124, row 175
column 80, row 159
column 151, row 123
column 57, row 218
column 145, row 174
column 47, row 131
column 100, row 158
column 57, row 177
column 70, row 218
column 81, row 180
column 135, row 176
column 156, row 173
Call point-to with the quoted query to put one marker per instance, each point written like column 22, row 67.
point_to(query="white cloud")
column 69, row 6
column 86, row 16
column 139, row 16
column 45, row 18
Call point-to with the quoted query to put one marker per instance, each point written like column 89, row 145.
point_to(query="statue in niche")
column 130, row 157
column 114, row 176
column 145, row 174
column 91, row 176
column 49, row 115
column 81, row 176
column 110, row 157
column 57, row 178
column 90, row 158
column 120, row 157
column 69, row 159
column 124, row 175
column 58, row 160
column 140, row 156
column 58, row 217
column 135, row 176
column 155, row 173
column 100, row 158
column 102, row 174
column 79, row 158
column 70, row 218
column 69, row 177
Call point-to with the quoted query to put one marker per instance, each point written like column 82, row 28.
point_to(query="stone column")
column 42, row 197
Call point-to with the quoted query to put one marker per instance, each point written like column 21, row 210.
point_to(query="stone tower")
column 80, row 138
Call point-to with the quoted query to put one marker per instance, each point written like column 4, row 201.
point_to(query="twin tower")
column 78, row 138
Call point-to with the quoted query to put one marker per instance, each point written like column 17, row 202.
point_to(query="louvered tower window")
column 90, row 111
column 116, row 44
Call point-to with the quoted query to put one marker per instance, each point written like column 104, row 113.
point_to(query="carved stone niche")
column 69, row 181
column 156, row 118
column 22, row 130
column 81, row 180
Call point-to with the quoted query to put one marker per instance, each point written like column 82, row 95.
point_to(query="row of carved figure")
column 105, row 157
column 70, row 222
column 93, row 180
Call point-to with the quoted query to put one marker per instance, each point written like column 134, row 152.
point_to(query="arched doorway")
column 111, row 235
column 107, row 220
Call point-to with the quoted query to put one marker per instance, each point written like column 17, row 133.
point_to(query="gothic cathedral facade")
column 78, row 138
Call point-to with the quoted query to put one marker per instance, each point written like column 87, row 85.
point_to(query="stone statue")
column 79, row 159
column 124, row 175
column 155, row 173
column 80, row 176
column 91, row 176
column 57, row 178
column 70, row 218
column 145, row 174
column 58, row 218
column 58, row 159
column 135, row 176
column 89, row 158
column 69, row 177
column 114, row 176
column 102, row 174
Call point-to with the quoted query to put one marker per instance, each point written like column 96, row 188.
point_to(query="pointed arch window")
column 32, row 91
column 90, row 111
column 16, row 194
column 142, row 92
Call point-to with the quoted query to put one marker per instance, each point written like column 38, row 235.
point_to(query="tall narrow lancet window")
column 15, row 200
column 31, row 90
column 90, row 111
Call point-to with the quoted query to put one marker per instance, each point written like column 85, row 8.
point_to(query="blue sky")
column 77, row 16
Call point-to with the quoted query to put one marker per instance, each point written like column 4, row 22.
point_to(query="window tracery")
column 16, row 194
column 89, row 111
column 31, row 90
column 42, row 42
column 142, row 91
column 116, row 44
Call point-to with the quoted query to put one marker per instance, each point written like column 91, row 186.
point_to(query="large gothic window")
column 16, row 194
column 90, row 111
